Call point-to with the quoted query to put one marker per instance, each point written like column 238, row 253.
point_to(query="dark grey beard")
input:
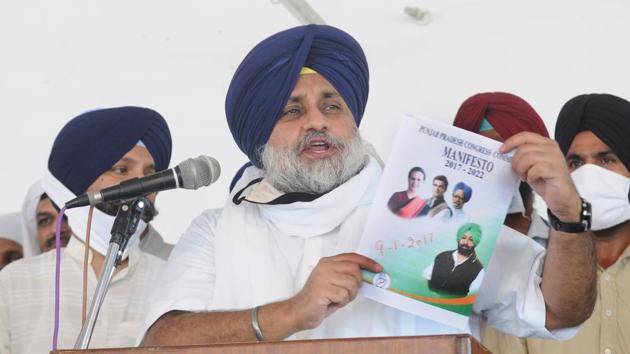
column 465, row 251
column 288, row 173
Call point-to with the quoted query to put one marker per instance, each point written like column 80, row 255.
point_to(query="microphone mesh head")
column 198, row 172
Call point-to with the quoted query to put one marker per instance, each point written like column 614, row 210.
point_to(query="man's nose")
column 137, row 173
column 316, row 120
column 50, row 229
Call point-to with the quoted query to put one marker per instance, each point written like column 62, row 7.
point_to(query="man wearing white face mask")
column 93, row 151
column 593, row 132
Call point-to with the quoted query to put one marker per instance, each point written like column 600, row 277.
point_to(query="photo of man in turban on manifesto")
column 458, row 271
column 461, row 195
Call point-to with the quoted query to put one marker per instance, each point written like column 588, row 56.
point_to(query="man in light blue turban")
column 277, row 261
column 461, row 195
column 95, row 150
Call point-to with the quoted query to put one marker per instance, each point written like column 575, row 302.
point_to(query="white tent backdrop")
column 60, row 58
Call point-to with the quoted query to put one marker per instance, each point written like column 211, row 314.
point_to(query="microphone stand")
column 125, row 226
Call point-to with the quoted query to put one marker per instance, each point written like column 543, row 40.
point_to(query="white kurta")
column 252, row 254
column 153, row 243
column 27, row 301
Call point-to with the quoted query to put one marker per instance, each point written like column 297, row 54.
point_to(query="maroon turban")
column 508, row 114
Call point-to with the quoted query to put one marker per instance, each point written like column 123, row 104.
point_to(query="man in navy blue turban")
column 93, row 142
column 277, row 261
column 95, row 150
column 293, row 107
column 273, row 68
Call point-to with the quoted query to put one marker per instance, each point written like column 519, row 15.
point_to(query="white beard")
column 288, row 173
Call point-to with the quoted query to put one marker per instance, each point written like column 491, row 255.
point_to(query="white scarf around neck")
column 322, row 215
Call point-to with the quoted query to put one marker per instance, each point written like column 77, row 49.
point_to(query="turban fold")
column 607, row 116
column 473, row 229
column 508, row 114
column 30, row 245
column 93, row 142
column 466, row 188
column 263, row 82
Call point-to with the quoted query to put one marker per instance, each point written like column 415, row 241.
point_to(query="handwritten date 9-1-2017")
column 411, row 242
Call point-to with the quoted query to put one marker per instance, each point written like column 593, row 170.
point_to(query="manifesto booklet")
column 435, row 220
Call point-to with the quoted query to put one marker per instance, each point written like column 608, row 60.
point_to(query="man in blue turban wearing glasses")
column 461, row 195
column 95, row 150
column 277, row 261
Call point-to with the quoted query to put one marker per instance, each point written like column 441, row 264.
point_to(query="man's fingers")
column 363, row 261
column 350, row 269
column 336, row 268
column 339, row 296
column 348, row 282
column 525, row 149
column 523, row 163
column 522, row 138
column 538, row 173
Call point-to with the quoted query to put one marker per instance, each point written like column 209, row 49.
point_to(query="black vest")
column 458, row 280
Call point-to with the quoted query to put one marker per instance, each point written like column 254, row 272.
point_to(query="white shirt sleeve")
column 510, row 297
column 428, row 271
column 476, row 284
column 444, row 215
column 187, row 282
column 5, row 326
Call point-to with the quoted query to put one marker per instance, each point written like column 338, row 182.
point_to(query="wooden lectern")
column 448, row 344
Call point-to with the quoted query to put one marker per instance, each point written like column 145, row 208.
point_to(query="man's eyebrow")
column 605, row 153
column 598, row 154
column 294, row 99
column 131, row 160
column 126, row 159
column 325, row 94
column 574, row 157
column 331, row 94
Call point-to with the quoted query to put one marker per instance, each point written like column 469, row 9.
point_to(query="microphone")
column 189, row 174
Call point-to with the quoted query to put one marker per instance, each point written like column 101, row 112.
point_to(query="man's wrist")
column 276, row 320
column 256, row 326
column 572, row 225
column 571, row 214
column 290, row 308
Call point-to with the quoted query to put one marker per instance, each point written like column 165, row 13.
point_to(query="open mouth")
column 318, row 148
column 318, row 145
